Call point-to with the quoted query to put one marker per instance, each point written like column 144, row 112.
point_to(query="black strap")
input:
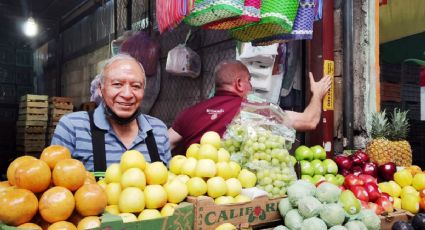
column 98, row 143
column 152, row 148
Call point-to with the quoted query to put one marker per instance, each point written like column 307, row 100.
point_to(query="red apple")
column 341, row 187
column 345, row 172
column 343, row 162
column 360, row 193
column 360, row 157
column 370, row 168
column 357, row 170
column 387, row 171
column 352, row 180
column 372, row 190
column 376, row 208
column 385, row 204
column 387, row 196
column 367, row 178
column 364, row 204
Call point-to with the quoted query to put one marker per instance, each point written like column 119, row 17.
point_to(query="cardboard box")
column 182, row 219
column 387, row 221
column 209, row 215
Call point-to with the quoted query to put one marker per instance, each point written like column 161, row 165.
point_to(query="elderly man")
column 232, row 82
column 117, row 124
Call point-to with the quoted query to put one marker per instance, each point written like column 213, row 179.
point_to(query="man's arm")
column 174, row 138
column 309, row 119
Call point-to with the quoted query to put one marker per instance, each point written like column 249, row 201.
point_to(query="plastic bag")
column 183, row 61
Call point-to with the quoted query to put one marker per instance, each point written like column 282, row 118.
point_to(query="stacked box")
column 58, row 106
column 32, row 124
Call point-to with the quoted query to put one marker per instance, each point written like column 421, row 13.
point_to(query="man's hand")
column 320, row 88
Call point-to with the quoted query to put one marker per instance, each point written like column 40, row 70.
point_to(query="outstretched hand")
column 321, row 87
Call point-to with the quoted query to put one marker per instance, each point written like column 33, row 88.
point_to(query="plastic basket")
column 302, row 29
column 207, row 11
column 251, row 13
column 277, row 17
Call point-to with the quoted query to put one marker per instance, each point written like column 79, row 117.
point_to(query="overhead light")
column 30, row 27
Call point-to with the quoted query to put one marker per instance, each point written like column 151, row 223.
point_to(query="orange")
column 12, row 167
column 30, row 226
column 56, row 204
column 33, row 175
column 422, row 203
column 69, row 173
column 90, row 200
column 55, row 153
column 5, row 186
column 89, row 222
column 90, row 179
column 17, row 206
column 62, row 225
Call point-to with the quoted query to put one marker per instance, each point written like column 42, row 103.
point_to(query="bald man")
column 232, row 82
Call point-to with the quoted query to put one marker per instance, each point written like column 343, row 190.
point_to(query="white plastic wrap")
column 183, row 61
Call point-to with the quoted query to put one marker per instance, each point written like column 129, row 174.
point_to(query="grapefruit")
column 33, row 175
column 30, row 226
column 55, row 153
column 15, row 164
column 62, row 225
column 90, row 200
column 89, row 222
column 56, row 204
column 17, row 206
column 69, row 173
column 156, row 173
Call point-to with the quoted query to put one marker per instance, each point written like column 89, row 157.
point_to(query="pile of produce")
column 55, row 191
column 417, row 223
column 324, row 207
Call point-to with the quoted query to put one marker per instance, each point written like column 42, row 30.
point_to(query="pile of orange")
column 53, row 192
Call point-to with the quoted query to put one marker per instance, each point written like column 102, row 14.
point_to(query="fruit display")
column 323, row 207
column 207, row 170
column 55, row 191
column 264, row 153
column 315, row 167
column 388, row 142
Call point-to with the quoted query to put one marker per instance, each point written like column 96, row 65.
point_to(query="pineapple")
column 379, row 148
column 402, row 153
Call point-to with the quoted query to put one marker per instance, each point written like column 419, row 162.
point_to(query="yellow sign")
column 328, row 100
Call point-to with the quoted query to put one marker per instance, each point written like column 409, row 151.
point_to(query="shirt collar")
column 225, row 93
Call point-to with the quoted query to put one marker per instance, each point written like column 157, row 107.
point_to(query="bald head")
column 233, row 76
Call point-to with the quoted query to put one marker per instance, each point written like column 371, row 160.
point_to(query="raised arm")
column 309, row 119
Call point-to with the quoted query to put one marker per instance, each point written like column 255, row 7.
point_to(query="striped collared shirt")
column 73, row 132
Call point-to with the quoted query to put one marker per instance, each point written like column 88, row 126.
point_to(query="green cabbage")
column 284, row 206
column 332, row 214
column 370, row 219
column 293, row 220
column 328, row 193
column 309, row 206
column 280, row 227
column 300, row 189
column 338, row 227
column 355, row 225
column 313, row 223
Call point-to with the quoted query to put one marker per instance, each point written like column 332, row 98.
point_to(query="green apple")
column 318, row 178
column 339, row 179
column 318, row 152
column 306, row 168
column 331, row 178
column 307, row 178
column 318, row 167
column 330, row 166
column 304, row 153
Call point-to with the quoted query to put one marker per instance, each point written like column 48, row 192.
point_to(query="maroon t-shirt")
column 213, row 114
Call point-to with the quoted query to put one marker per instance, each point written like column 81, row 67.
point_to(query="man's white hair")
column 120, row 57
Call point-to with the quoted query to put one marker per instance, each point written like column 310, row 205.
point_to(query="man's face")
column 246, row 83
column 123, row 87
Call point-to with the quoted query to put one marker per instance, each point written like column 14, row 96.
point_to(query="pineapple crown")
column 379, row 125
column 399, row 125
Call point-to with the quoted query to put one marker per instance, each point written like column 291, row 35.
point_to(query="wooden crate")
column 33, row 97
column 33, row 117
column 390, row 92
column 31, row 150
column 61, row 103
column 31, row 136
column 30, row 123
column 32, row 110
column 29, row 142
column 30, row 129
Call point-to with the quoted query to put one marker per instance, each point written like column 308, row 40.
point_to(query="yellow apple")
column 155, row 196
column 211, row 138
column 113, row 173
column 224, row 170
column 168, row 209
column 224, row 200
column 247, row 178
column 189, row 167
column 128, row 217
column 149, row 214
column 131, row 200
column 113, row 191
column 207, row 151
column 176, row 191
column 183, row 178
column 192, row 151
column 205, row 168
column 223, row 155
column 133, row 177
column 242, row 198
column 132, row 159
column 156, row 173
column 236, row 168
column 226, row 226
column 216, row 187
column 113, row 209
column 196, row 186
column 234, row 187
column 176, row 164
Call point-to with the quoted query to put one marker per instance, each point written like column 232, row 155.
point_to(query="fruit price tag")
column 328, row 100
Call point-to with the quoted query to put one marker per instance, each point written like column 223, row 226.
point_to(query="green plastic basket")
column 207, row 11
column 277, row 17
